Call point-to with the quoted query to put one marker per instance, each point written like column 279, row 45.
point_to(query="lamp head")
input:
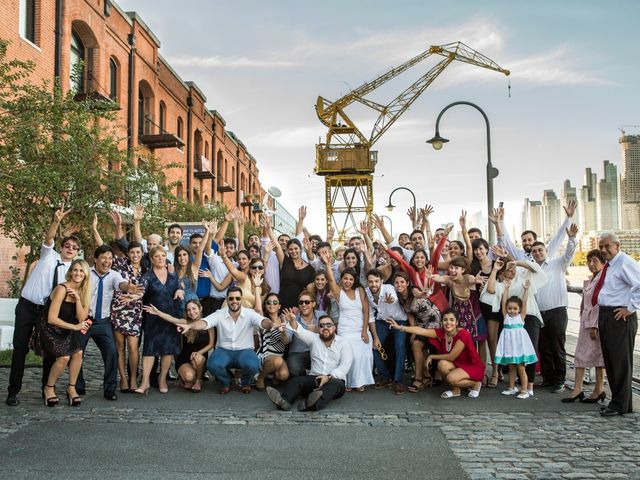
column 390, row 207
column 437, row 141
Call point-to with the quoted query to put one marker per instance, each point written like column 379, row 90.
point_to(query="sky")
column 262, row 64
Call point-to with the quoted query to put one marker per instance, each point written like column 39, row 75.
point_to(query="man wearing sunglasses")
column 47, row 274
column 331, row 358
column 234, row 349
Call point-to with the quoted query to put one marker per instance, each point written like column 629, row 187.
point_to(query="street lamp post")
column 437, row 142
column 391, row 206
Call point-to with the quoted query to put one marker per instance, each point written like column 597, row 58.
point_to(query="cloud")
column 217, row 61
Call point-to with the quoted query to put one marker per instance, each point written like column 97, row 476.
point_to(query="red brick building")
column 159, row 111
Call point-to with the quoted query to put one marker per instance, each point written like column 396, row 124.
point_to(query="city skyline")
column 264, row 64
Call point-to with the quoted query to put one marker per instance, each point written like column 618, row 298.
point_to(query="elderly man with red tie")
column 617, row 293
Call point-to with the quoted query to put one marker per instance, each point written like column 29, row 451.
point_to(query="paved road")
column 369, row 435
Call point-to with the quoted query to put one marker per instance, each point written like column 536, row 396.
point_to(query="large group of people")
column 306, row 318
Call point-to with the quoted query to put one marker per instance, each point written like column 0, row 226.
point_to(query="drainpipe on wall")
column 132, row 52
column 58, row 43
column 189, row 120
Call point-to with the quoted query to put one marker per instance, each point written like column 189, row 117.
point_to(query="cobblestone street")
column 492, row 437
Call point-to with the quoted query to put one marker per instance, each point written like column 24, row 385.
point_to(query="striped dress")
column 514, row 344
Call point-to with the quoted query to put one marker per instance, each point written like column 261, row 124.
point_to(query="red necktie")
column 596, row 291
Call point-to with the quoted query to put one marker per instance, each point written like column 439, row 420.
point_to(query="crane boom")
column 345, row 158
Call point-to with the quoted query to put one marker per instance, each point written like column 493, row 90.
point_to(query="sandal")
column 416, row 386
column 493, row 381
column 449, row 394
column 51, row 401
column 75, row 401
column 359, row 389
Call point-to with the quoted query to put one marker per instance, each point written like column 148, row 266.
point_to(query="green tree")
column 57, row 151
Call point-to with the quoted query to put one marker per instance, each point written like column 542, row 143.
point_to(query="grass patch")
column 32, row 359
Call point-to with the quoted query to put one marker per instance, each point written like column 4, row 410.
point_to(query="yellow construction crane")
column 346, row 160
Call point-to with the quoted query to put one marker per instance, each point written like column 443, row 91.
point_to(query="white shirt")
column 40, row 282
column 519, row 254
column 220, row 272
column 621, row 287
column 385, row 310
column 554, row 293
column 537, row 279
column 234, row 334
column 272, row 268
column 111, row 281
column 334, row 360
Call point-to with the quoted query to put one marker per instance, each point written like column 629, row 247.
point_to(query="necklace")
column 448, row 343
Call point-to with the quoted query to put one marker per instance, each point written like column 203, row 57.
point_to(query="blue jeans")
column 222, row 359
column 399, row 341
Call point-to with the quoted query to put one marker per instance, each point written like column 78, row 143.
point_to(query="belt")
column 603, row 307
column 31, row 304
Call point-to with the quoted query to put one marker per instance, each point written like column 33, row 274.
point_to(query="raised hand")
column 289, row 315
column 138, row 213
column 94, row 222
column 330, row 233
column 526, row 284
column 570, row 208
column 448, row 229
column 572, row 231
column 364, row 228
column 377, row 221
column 302, row 213
column 507, row 283
column 411, row 213
column 498, row 264
column 325, row 256
column 494, row 216
column 463, row 219
column 229, row 216
column 116, row 218
column 428, row 210
column 59, row 214
column 498, row 251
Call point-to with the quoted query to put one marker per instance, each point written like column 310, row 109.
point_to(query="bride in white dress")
column 354, row 326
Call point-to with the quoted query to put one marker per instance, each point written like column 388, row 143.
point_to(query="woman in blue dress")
column 161, row 338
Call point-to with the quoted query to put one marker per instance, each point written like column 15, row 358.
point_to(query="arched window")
column 179, row 128
column 77, row 60
column 233, row 176
column 179, row 191
column 162, row 117
column 113, row 79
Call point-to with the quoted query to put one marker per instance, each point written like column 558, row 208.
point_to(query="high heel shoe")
column 579, row 396
column 51, row 401
column 73, row 401
column 600, row 398
column 142, row 391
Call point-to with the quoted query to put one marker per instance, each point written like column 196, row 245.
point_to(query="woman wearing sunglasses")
column 273, row 342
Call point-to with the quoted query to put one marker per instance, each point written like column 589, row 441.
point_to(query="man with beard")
column 175, row 237
column 331, row 359
column 234, row 349
column 529, row 237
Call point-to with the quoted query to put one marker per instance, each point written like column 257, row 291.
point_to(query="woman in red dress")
column 459, row 363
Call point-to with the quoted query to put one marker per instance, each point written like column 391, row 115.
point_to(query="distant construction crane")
column 346, row 160
column 622, row 128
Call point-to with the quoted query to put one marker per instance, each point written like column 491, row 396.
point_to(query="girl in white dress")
column 514, row 345
column 354, row 325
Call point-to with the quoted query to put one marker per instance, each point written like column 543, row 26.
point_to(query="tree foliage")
column 56, row 151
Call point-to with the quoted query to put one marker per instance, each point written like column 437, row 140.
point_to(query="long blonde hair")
column 84, row 290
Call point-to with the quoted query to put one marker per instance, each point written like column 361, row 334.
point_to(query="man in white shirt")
column 617, row 294
column 234, row 349
column 104, row 283
column 552, row 301
column 331, row 359
column 383, row 304
column 48, row 273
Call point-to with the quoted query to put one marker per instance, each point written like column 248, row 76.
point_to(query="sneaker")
column 523, row 395
column 12, row 400
column 277, row 399
column 558, row 388
column 510, row 391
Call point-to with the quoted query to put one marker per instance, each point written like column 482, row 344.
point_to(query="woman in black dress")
column 58, row 333
column 196, row 345
column 160, row 338
column 295, row 274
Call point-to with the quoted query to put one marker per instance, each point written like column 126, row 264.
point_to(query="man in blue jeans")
column 383, row 304
column 235, row 340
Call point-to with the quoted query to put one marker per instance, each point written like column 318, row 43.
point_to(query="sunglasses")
column 71, row 246
column 234, row 299
column 326, row 325
column 272, row 302
column 304, row 302
column 257, row 267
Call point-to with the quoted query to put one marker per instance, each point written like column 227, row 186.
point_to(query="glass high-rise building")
column 630, row 181
column 607, row 199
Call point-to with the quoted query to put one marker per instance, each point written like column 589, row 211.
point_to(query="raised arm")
column 465, row 235
column 94, row 231
column 525, row 298
column 241, row 222
column 50, row 234
column 213, row 231
column 302, row 213
column 333, row 286
column 426, row 226
column 388, row 238
column 238, row 275
column 219, row 238
column 164, row 316
column 505, row 297
column 556, row 241
column 138, row 215
column 266, row 223
column 491, row 281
